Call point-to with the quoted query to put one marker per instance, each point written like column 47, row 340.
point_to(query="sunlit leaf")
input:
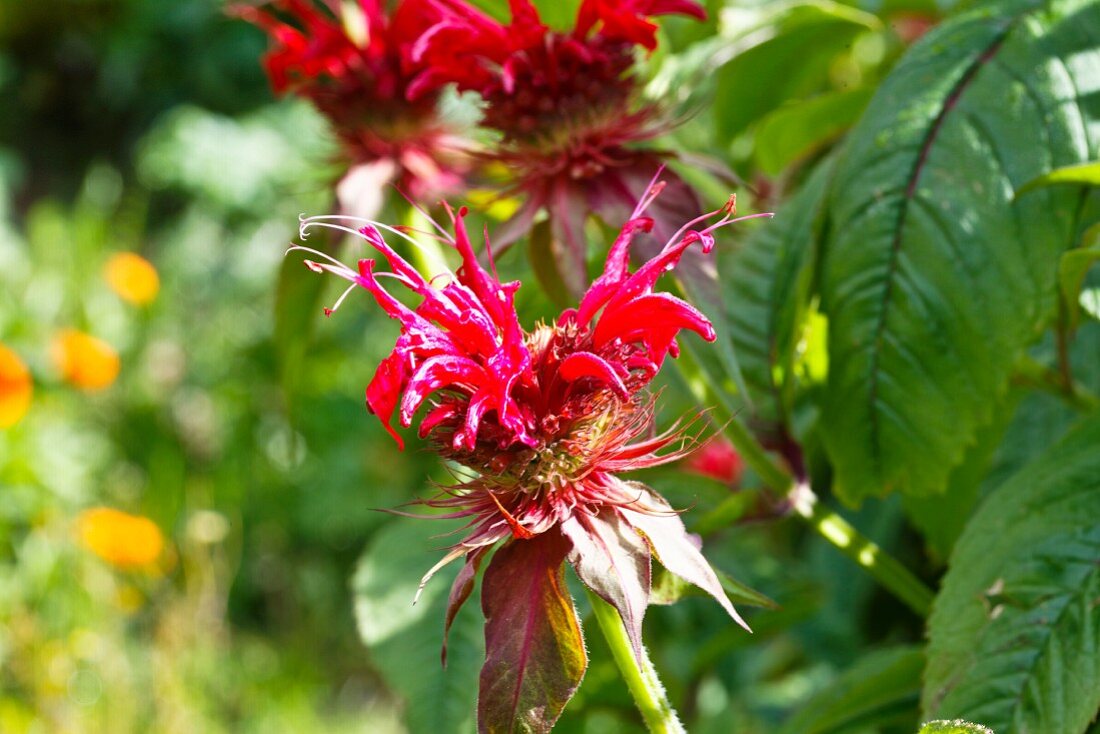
column 958, row 726
column 934, row 278
column 1084, row 174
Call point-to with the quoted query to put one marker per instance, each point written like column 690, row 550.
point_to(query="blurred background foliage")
column 245, row 496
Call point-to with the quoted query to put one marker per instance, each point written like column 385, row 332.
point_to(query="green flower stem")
column 883, row 567
column 640, row 677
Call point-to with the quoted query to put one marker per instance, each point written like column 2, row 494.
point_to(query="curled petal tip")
column 314, row 266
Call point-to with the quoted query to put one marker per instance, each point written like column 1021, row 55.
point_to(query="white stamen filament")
column 343, row 295
column 334, row 263
column 322, row 220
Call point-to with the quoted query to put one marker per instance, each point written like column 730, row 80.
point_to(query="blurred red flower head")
column 717, row 459
column 566, row 106
column 350, row 60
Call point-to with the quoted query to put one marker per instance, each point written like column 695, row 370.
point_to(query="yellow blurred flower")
column 15, row 388
column 84, row 361
column 123, row 540
column 132, row 277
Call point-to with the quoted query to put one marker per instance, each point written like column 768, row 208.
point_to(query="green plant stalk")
column 884, row 568
column 640, row 676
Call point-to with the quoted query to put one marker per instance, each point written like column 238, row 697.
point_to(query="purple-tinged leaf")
column 675, row 548
column 534, row 651
column 612, row 560
column 460, row 592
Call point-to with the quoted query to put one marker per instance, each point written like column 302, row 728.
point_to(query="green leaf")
column 298, row 293
column 534, row 652
column 941, row 518
column 405, row 640
column 958, row 726
column 1084, row 174
column 934, row 280
column 883, row 687
column 1015, row 633
column 767, row 295
column 668, row 588
column 794, row 131
column 540, row 252
column 785, row 56
column 1072, row 269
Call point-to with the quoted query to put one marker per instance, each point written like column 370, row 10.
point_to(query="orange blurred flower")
column 132, row 277
column 15, row 388
column 84, row 361
column 119, row 538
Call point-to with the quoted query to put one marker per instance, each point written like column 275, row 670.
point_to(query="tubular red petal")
column 615, row 270
column 587, row 364
column 384, row 391
column 654, row 318
column 436, row 373
column 437, row 415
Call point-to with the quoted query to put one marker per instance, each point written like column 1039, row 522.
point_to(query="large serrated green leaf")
column 934, row 278
column 883, row 687
column 942, row 518
column 1015, row 633
column 767, row 293
column 404, row 640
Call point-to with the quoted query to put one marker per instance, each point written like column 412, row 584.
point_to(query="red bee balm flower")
column 546, row 420
column 566, row 106
column 349, row 61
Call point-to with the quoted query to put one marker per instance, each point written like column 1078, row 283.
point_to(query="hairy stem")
column 884, row 568
column 640, row 677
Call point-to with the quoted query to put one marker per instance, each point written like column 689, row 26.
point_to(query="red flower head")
column 349, row 60
column 545, row 420
column 566, row 106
